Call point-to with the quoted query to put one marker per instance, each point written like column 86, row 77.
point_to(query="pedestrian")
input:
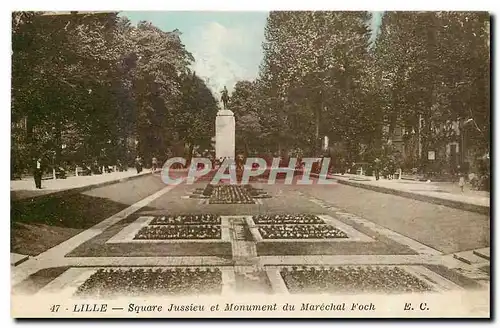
column 119, row 166
column 342, row 166
column 96, row 169
column 37, row 173
column 138, row 164
column 391, row 167
column 154, row 165
column 377, row 168
column 461, row 181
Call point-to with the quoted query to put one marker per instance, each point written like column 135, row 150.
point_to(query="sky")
column 227, row 46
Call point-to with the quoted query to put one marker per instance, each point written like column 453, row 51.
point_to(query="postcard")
column 272, row 164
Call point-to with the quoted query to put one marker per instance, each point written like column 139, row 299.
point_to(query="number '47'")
column 54, row 308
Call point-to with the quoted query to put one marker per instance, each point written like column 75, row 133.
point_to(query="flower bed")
column 179, row 232
column 300, row 232
column 352, row 279
column 136, row 282
column 230, row 194
column 188, row 219
column 287, row 219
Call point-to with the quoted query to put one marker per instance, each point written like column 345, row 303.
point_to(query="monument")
column 224, row 130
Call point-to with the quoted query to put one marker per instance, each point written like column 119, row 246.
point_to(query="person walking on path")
column 461, row 181
column 138, row 164
column 377, row 168
column 154, row 164
column 37, row 174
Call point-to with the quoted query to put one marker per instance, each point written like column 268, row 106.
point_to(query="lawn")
column 39, row 226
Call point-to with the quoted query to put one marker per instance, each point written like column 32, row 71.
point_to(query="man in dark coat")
column 376, row 167
column 37, row 173
column 138, row 164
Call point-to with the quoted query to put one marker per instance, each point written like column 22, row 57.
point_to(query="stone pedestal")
column 224, row 134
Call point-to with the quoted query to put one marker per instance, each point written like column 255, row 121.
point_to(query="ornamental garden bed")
column 186, row 229
column 138, row 282
column 302, row 228
column 230, row 194
column 160, row 232
column 306, row 231
column 287, row 219
column 352, row 279
column 188, row 219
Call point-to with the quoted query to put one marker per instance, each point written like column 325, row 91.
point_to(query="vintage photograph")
column 250, row 164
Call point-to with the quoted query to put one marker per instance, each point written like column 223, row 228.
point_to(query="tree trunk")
column 247, row 149
column 426, row 136
column 30, row 135
column 190, row 153
column 317, row 143
column 394, row 112
column 58, row 137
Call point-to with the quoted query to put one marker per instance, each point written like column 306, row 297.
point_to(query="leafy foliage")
column 321, row 76
column 435, row 76
column 86, row 86
column 312, row 80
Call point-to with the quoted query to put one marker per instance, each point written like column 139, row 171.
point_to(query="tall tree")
column 314, row 71
column 436, row 75
column 86, row 85
column 194, row 118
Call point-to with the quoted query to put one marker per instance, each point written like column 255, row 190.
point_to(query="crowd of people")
column 109, row 283
column 287, row 219
column 306, row 231
column 351, row 280
column 204, row 231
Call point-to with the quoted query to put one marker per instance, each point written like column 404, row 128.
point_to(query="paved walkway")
column 25, row 188
column 439, row 190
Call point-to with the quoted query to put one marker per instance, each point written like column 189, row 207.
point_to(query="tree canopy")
column 321, row 75
column 92, row 86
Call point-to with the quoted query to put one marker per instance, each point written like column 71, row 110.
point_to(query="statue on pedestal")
column 225, row 130
column 225, row 97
